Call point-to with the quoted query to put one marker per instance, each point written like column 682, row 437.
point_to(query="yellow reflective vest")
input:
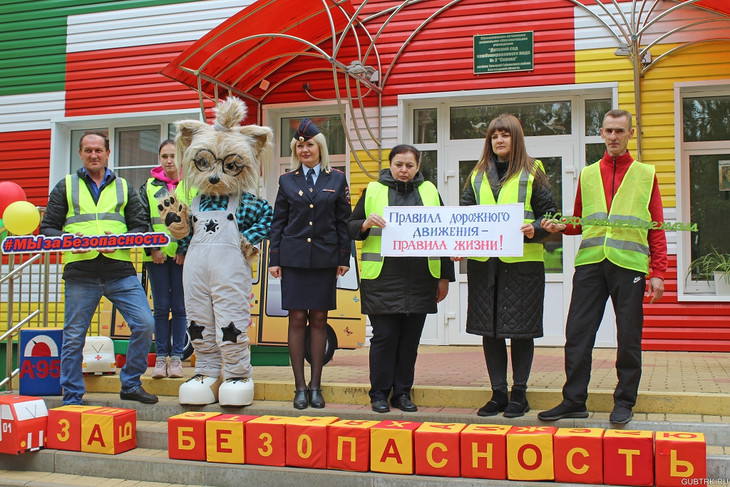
column 622, row 245
column 517, row 189
column 376, row 199
column 91, row 218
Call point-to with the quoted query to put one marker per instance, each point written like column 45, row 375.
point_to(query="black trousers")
column 522, row 351
column 592, row 285
column 393, row 353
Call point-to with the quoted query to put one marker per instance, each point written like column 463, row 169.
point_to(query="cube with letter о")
column 484, row 451
column 437, row 449
column 530, row 453
column 679, row 458
column 23, row 424
column 265, row 441
column 186, row 435
column 306, row 441
column 224, row 438
column 391, row 447
column 348, row 445
column 579, row 455
column 108, row 430
column 64, row 427
column 628, row 457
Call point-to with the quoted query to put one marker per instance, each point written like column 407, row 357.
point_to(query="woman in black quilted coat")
column 506, row 294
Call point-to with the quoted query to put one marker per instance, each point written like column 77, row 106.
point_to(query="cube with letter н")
column 186, row 435
column 679, row 457
column 224, row 438
column 437, row 449
column 348, row 445
column 265, row 442
column 306, row 441
column 391, row 447
column 628, row 457
column 579, row 455
column 484, row 451
column 530, row 453
column 108, row 430
column 64, row 427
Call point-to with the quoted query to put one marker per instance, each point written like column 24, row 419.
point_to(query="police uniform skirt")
column 303, row 288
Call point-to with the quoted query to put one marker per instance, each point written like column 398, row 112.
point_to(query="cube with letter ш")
column 679, row 457
column 437, row 449
column 530, row 453
column 391, row 447
column 224, row 438
column 64, row 427
column 265, row 441
column 306, row 441
column 579, row 455
column 108, row 430
column 348, row 445
column 628, row 457
column 484, row 451
column 186, row 435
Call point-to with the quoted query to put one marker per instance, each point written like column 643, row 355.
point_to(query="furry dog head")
column 225, row 157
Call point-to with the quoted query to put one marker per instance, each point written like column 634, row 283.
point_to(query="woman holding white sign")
column 397, row 292
column 506, row 293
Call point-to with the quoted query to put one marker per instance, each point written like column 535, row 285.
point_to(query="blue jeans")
column 82, row 298
column 167, row 295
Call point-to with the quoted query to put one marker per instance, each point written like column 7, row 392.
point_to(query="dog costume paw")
column 174, row 215
column 199, row 390
column 250, row 252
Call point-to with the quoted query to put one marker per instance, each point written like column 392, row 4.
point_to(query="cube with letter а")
column 306, row 441
column 484, row 451
column 265, row 441
column 437, row 449
column 224, row 438
column 108, row 430
column 391, row 447
column 348, row 445
column 628, row 457
column 64, row 427
column 186, row 435
column 679, row 458
column 579, row 455
column 530, row 453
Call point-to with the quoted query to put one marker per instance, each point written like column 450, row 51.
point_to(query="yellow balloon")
column 21, row 218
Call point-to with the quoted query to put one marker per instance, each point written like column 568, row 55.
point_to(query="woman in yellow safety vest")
column 506, row 293
column 164, row 268
column 397, row 292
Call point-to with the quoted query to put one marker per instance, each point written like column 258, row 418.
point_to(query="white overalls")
column 217, row 282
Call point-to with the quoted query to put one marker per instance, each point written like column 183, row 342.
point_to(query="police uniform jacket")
column 309, row 229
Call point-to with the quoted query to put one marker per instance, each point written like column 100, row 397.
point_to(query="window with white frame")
column 705, row 188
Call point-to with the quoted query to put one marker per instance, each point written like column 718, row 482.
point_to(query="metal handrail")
column 19, row 269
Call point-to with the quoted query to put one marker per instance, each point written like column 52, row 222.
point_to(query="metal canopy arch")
column 208, row 65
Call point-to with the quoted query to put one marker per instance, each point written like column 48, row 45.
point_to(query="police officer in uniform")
column 310, row 248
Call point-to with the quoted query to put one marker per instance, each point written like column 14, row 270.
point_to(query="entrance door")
column 557, row 157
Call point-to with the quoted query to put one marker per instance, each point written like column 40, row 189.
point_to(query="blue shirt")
column 96, row 190
column 316, row 172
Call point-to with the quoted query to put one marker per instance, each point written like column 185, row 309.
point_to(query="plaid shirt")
column 253, row 216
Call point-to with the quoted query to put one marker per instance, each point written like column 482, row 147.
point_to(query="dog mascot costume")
column 220, row 230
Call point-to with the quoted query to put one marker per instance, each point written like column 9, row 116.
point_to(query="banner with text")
column 453, row 231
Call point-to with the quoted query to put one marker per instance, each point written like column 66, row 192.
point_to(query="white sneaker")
column 176, row 369
column 236, row 392
column 199, row 390
column 160, row 368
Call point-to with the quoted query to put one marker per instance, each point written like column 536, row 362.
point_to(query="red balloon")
column 10, row 192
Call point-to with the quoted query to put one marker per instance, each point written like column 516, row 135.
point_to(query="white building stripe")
column 32, row 111
column 148, row 25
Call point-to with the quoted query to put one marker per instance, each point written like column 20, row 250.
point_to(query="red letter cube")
column 266, row 441
column 628, row 457
column 679, row 457
column 484, row 451
column 348, row 445
column 306, row 441
column 64, row 427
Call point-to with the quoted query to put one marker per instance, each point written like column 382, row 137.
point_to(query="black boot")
column 517, row 404
column 495, row 405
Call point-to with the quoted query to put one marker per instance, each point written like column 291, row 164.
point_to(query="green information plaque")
column 511, row 51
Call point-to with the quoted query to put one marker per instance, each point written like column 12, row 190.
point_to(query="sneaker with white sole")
column 176, row 369
column 160, row 371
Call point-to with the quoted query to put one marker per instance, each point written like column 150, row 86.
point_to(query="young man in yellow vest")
column 96, row 202
column 613, row 260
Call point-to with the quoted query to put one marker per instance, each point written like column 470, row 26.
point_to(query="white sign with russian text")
column 453, row 231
